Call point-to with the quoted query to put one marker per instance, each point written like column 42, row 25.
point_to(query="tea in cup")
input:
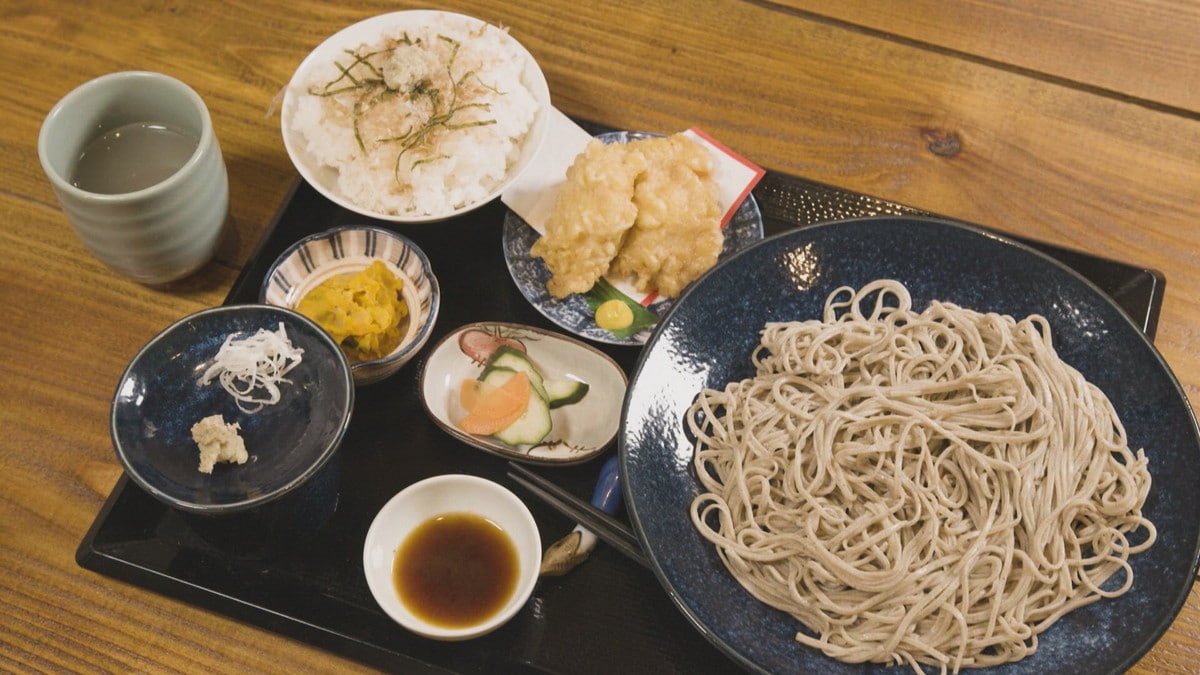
column 134, row 161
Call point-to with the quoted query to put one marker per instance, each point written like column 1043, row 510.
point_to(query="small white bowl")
column 452, row 493
column 343, row 250
column 324, row 178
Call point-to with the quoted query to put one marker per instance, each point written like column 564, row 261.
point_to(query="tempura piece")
column 676, row 236
column 593, row 212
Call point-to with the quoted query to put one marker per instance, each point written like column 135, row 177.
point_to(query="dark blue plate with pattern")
column 572, row 313
column 706, row 341
column 160, row 396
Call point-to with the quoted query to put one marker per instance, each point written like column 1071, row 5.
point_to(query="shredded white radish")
column 254, row 364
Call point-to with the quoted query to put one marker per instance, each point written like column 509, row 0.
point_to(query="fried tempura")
column 676, row 236
column 647, row 210
column 593, row 212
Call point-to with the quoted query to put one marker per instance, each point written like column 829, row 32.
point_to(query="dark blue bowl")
column 159, row 398
column 707, row 339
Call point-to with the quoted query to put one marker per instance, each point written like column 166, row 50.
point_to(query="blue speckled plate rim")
column 571, row 313
column 631, row 499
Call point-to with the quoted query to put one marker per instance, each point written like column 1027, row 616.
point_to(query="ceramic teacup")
column 153, row 233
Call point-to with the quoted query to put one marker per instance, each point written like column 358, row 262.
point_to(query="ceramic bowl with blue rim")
column 162, row 395
column 348, row 250
column 573, row 313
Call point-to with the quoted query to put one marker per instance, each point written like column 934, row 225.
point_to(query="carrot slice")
column 470, row 393
column 496, row 409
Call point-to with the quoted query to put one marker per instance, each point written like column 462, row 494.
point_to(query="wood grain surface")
column 1078, row 125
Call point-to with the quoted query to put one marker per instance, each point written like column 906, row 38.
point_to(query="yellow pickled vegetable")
column 614, row 315
column 363, row 312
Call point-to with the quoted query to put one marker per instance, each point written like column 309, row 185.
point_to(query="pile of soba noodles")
column 932, row 487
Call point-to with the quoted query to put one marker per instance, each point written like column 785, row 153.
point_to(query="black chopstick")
column 606, row 528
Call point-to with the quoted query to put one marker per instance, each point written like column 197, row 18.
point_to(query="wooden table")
column 1078, row 125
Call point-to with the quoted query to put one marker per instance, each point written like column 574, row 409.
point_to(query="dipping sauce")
column 456, row 570
column 132, row 157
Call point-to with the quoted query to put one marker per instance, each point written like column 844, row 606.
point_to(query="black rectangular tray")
column 608, row 615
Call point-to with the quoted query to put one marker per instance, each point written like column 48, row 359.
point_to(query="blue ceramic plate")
column 159, row 398
column 572, row 312
column 706, row 341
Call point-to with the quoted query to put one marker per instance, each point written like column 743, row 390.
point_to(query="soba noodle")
column 923, row 488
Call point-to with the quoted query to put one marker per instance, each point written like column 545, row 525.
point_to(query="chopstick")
column 606, row 528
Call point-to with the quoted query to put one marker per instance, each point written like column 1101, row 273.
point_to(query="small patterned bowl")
column 346, row 250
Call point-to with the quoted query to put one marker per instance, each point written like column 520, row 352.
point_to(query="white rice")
column 454, row 167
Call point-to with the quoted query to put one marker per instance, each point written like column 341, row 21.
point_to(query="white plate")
column 580, row 430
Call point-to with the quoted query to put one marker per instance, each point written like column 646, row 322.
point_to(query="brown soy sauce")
column 456, row 570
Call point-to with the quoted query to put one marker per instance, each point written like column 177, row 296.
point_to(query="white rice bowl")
column 459, row 169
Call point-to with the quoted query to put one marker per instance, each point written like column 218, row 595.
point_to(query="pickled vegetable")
column 494, row 406
column 365, row 312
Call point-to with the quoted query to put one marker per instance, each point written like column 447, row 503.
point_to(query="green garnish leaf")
column 362, row 80
column 603, row 291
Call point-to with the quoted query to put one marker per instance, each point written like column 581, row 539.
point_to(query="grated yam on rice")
column 452, row 167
